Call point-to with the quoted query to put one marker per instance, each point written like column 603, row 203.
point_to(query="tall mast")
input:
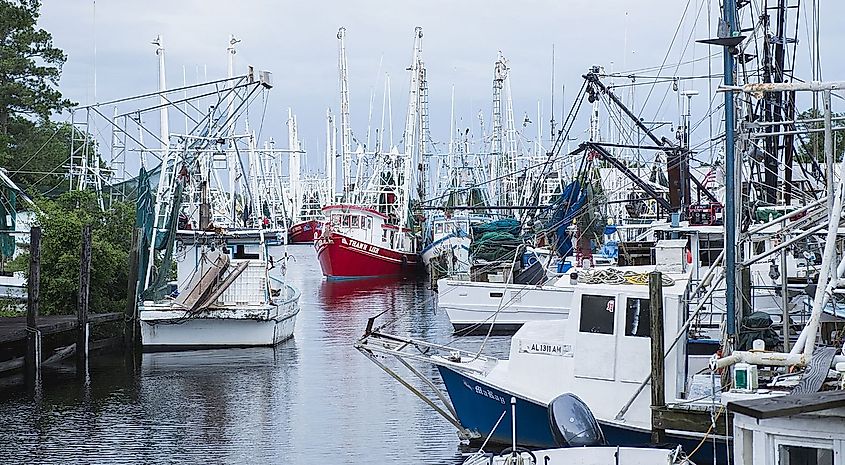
column 331, row 171
column 410, row 128
column 729, row 23
column 345, row 128
column 164, row 125
column 294, row 167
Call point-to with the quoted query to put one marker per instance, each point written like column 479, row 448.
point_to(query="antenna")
column 552, row 122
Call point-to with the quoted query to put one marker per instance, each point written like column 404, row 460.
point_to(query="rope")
column 616, row 276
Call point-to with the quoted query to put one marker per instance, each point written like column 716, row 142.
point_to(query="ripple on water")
column 312, row 399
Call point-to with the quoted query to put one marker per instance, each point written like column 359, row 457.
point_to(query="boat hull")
column 303, row 232
column 342, row 257
column 473, row 306
column 478, row 406
column 168, row 329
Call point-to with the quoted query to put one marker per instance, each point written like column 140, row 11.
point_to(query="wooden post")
column 658, row 389
column 32, row 359
column 745, row 286
column 82, row 303
column 130, row 318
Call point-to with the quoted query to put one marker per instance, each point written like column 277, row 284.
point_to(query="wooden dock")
column 14, row 329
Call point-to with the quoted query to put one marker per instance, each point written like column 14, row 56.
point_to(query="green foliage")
column 61, row 221
column 30, row 66
column 814, row 143
column 37, row 154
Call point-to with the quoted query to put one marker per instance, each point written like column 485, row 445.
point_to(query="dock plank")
column 13, row 329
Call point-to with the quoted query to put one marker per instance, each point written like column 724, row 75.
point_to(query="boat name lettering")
column 486, row 393
column 361, row 245
column 535, row 347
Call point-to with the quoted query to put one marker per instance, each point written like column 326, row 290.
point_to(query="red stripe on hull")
column 303, row 232
column 344, row 258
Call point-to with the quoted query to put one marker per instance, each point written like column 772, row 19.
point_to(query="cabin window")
column 356, row 221
column 597, row 312
column 369, row 222
column 709, row 248
column 801, row 455
column 438, row 229
column 336, row 220
column 638, row 318
column 384, row 235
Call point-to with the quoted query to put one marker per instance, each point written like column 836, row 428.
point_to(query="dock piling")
column 131, row 331
column 32, row 358
column 82, row 303
column 658, row 389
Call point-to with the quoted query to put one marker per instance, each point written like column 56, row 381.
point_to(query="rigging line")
column 624, row 74
column 37, row 151
column 265, row 97
column 683, row 52
column 668, row 52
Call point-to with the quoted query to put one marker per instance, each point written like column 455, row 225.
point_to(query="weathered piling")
column 32, row 358
column 131, row 330
column 82, row 303
column 658, row 389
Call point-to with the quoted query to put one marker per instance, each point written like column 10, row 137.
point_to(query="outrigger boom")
column 376, row 344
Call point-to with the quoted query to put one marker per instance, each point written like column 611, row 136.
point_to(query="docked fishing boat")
column 225, row 296
column 374, row 233
column 359, row 242
column 303, row 231
column 600, row 354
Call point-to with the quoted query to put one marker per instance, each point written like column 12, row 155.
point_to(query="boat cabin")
column 368, row 226
column 804, row 429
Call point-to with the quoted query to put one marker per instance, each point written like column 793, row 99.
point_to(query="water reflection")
column 312, row 399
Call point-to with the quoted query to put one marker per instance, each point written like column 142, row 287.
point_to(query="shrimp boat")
column 225, row 297
column 203, row 279
column 372, row 233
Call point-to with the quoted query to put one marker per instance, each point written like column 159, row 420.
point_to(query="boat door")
column 595, row 341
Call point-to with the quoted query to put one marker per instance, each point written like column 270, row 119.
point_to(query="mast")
column 345, row 128
column 410, row 129
column 496, row 149
column 729, row 23
column 294, row 169
column 331, row 172
column 164, row 124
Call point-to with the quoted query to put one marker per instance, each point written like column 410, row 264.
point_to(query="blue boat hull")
column 479, row 405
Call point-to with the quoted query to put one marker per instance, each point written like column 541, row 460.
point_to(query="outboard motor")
column 573, row 424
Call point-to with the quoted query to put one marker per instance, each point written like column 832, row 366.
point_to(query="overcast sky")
column 296, row 40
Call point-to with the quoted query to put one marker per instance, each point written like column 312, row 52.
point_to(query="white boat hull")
column 163, row 328
column 507, row 306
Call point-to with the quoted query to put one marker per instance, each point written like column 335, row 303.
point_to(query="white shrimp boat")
column 224, row 297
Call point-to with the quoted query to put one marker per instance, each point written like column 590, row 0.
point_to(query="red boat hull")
column 303, row 232
column 344, row 258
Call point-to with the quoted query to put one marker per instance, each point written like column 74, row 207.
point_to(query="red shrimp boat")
column 358, row 242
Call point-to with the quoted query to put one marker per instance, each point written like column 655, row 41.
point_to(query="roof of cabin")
column 782, row 406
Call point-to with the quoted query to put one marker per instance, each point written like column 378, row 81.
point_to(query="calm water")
column 312, row 399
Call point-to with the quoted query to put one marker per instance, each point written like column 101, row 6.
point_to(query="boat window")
column 336, row 220
column 597, row 314
column 801, row 455
column 709, row 247
column 384, row 235
column 496, row 294
column 356, row 221
column 438, row 229
column 346, row 220
column 369, row 222
column 638, row 318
